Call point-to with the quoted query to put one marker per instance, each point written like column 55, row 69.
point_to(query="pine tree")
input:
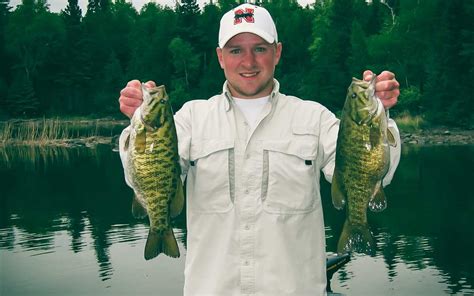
column 22, row 100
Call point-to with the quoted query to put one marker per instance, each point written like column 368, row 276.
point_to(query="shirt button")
column 246, row 191
column 246, row 263
column 247, row 156
column 247, row 227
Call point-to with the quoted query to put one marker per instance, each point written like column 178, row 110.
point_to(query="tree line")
column 75, row 63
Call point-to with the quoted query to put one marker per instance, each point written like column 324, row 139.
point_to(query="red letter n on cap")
column 247, row 16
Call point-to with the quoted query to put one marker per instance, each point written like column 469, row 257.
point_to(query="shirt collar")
column 228, row 97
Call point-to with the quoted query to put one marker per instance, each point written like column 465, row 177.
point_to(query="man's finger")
column 150, row 84
column 134, row 83
column 131, row 92
column 132, row 102
column 386, row 85
column 385, row 75
column 367, row 75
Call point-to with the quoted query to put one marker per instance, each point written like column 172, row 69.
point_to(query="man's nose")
column 248, row 59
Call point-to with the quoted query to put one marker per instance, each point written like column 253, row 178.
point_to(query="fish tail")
column 157, row 243
column 356, row 238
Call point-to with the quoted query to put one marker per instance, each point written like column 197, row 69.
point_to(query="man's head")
column 248, row 50
column 250, row 19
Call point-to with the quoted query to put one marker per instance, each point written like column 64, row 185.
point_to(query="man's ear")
column 219, row 57
column 278, row 50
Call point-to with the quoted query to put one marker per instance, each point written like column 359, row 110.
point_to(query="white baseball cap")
column 247, row 18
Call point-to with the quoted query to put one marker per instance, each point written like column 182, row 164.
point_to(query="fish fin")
column 391, row 138
column 138, row 210
column 140, row 141
column 356, row 238
column 161, row 243
column 127, row 143
column 154, row 245
column 338, row 198
column 177, row 202
column 378, row 202
column 170, row 246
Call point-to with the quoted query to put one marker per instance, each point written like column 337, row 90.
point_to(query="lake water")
column 66, row 228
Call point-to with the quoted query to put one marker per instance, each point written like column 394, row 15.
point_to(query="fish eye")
column 163, row 101
column 353, row 95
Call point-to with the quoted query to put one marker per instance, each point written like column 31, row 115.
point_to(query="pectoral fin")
column 338, row 198
column 391, row 138
column 138, row 211
column 177, row 202
column 378, row 202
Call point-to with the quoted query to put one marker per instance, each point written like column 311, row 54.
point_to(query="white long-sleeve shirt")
column 254, row 213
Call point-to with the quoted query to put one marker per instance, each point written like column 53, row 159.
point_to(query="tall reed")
column 35, row 131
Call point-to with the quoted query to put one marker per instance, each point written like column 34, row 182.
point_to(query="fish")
column 154, row 170
column 362, row 160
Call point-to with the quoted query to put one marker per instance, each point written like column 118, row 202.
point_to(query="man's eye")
column 235, row 51
column 260, row 49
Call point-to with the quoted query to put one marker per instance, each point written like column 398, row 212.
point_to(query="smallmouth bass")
column 362, row 160
column 154, row 170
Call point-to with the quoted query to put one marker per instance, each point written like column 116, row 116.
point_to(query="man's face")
column 249, row 63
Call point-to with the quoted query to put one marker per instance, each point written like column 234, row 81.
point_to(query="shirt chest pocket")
column 290, row 175
column 210, row 176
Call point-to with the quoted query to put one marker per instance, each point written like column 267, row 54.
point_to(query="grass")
column 44, row 131
column 410, row 123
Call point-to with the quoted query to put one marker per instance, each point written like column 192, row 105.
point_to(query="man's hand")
column 131, row 96
column 387, row 87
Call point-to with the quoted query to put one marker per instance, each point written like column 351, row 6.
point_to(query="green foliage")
column 75, row 64
column 409, row 101
column 22, row 100
column 185, row 61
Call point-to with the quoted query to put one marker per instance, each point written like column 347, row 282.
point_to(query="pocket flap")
column 303, row 147
column 202, row 148
column 303, row 130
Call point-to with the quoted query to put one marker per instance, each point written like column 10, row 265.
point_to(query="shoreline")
column 438, row 136
column 441, row 135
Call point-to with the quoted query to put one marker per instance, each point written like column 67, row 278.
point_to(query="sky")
column 58, row 5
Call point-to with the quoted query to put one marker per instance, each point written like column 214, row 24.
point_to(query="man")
column 253, row 158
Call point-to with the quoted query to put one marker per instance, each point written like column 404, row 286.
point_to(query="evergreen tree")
column 93, row 6
column 331, row 50
column 22, row 100
column 4, row 59
column 188, row 14
column 449, row 98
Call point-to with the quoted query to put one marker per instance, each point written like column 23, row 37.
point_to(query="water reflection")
column 427, row 223
column 67, row 204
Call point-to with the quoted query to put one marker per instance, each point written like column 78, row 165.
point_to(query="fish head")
column 361, row 102
column 156, row 108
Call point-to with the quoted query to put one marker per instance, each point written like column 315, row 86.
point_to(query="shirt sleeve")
column 182, row 120
column 123, row 151
column 395, row 152
column 329, row 128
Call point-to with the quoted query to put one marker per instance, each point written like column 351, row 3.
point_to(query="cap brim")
column 265, row 36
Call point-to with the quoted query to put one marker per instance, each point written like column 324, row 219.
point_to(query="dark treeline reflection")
column 82, row 193
column 427, row 223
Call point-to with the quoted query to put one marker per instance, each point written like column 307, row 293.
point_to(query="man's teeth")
column 249, row 74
